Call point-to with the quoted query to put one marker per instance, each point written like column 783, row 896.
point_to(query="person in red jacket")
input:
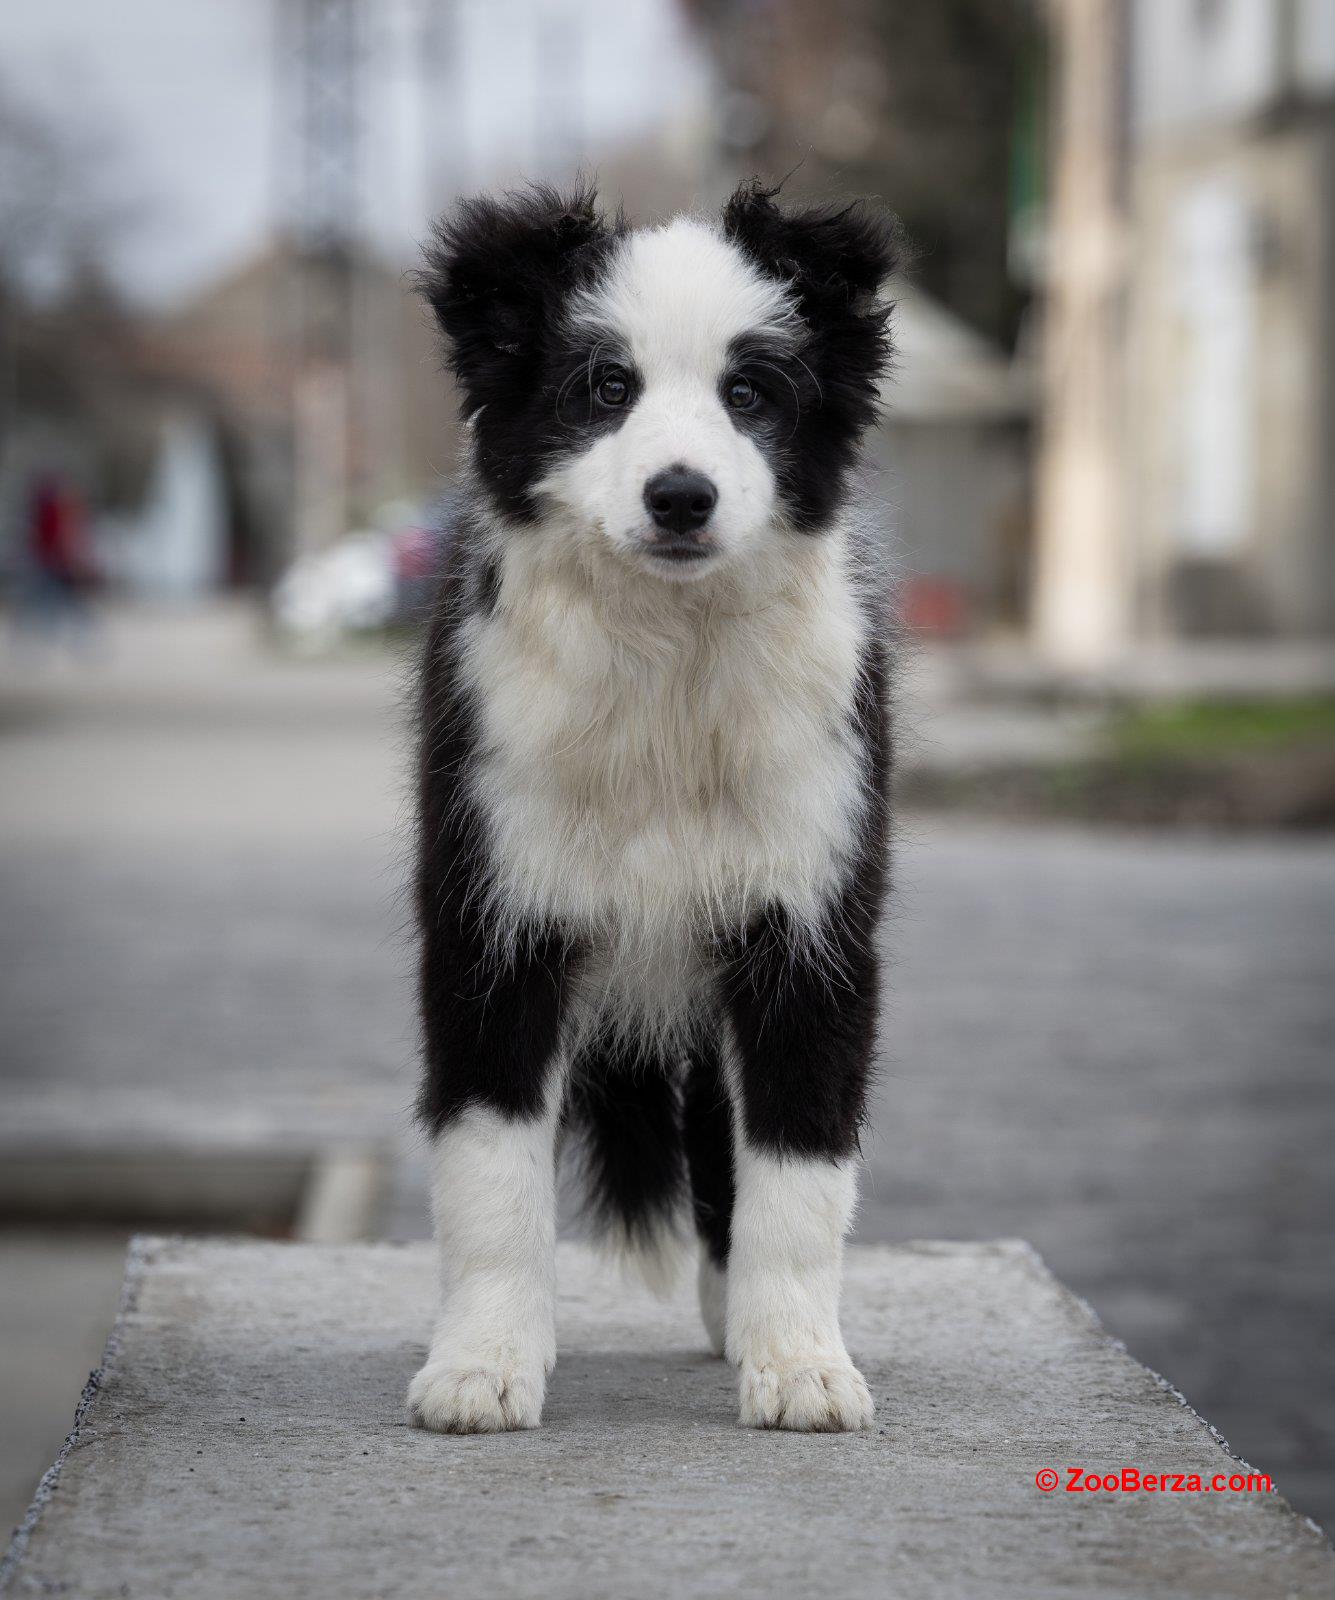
column 59, row 558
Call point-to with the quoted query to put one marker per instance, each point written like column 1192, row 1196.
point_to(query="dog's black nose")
column 680, row 500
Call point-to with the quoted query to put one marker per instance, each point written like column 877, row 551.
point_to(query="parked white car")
column 350, row 587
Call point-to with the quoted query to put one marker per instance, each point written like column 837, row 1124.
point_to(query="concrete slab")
column 246, row 1438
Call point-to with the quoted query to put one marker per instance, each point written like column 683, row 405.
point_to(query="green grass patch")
column 1202, row 729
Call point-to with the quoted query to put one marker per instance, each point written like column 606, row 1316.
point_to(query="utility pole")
column 319, row 71
column 1081, row 604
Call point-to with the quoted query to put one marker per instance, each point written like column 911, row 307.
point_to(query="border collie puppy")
column 654, row 755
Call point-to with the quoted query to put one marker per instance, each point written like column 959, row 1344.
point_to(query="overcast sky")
column 179, row 96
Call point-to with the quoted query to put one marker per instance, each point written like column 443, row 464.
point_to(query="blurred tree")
column 63, row 328
column 925, row 105
column 955, row 94
column 61, row 204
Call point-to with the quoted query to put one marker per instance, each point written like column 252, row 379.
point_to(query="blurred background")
column 1107, row 472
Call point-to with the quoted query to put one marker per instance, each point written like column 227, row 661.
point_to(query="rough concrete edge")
column 1021, row 1249
column 136, row 1262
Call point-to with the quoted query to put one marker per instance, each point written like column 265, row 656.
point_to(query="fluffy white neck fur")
column 659, row 760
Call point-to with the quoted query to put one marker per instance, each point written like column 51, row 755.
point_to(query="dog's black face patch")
column 595, row 388
column 498, row 274
column 816, row 401
column 770, row 393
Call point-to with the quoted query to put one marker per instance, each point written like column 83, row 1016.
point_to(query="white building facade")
column 1231, row 284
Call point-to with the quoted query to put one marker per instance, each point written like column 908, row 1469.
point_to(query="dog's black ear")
column 493, row 267
column 834, row 262
column 835, row 258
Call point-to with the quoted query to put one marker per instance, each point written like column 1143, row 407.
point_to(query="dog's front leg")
column 799, row 1051
column 492, row 1100
column 494, row 1205
column 784, row 1272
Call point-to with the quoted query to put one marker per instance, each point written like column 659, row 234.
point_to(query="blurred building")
column 1231, row 277
column 1188, row 472
column 1151, row 181
column 370, row 423
column 149, row 449
column 954, row 451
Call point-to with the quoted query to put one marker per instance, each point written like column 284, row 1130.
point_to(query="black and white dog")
column 654, row 757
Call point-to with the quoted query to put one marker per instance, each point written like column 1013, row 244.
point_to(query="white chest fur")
column 658, row 761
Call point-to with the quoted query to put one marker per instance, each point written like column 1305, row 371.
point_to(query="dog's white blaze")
column 678, row 294
column 673, row 301
column 494, row 1209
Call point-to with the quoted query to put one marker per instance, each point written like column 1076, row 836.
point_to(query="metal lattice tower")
column 318, row 79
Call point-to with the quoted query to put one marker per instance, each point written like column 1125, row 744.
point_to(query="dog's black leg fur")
column 491, row 1028
column 491, row 1016
column 804, row 1020
column 707, row 1134
column 626, row 1109
column 804, row 1031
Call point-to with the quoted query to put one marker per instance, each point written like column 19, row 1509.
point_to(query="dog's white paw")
column 818, row 1395
column 454, row 1397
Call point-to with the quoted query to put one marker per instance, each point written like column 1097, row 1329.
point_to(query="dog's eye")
column 742, row 393
column 613, row 390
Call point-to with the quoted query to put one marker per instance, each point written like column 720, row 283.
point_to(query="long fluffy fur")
column 653, row 796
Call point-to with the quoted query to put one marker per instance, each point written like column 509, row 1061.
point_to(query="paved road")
column 1118, row 1047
